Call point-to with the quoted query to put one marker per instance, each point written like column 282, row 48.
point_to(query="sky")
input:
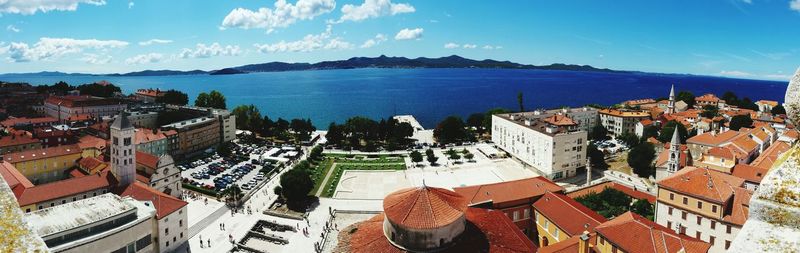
column 736, row 38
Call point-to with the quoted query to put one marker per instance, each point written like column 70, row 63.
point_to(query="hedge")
column 200, row 190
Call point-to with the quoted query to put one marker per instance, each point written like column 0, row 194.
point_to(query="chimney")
column 583, row 244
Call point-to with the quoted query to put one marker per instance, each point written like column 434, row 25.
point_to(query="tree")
column 746, row 103
column 476, row 120
column 666, row 132
column 105, row 90
column 335, row 135
column 609, row 203
column 687, row 97
column 201, row 100
column 277, row 190
column 296, row 184
column 599, row 132
column 450, row 130
column 173, row 97
column 302, row 128
column 649, row 131
column 629, row 139
column 730, row 98
column 224, row 149
column 596, row 157
column 216, row 100
column 640, row 158
column 455, row 156
column 431, row 157
column 739, row 121
column 248, row 117
column 778, row 110
column 643, row 208
column 519, row 101
column 416, row 157
column 710, row 111
column 233, row 193
column 487, row 119
column 469, row 156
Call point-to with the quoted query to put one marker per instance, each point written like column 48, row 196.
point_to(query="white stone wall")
column 123, row 157
column 719, row 232
column 173, row 231
column 554, row 157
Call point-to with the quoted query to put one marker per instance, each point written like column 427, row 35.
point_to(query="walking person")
column 209, row 243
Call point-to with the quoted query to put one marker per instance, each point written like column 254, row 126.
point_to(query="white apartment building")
column 554, row 146
column 585, row 117
column 619, row 121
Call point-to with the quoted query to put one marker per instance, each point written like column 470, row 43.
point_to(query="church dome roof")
column 424, row 207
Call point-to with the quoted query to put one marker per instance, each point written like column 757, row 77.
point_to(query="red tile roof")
column 424, row 207
column 707, row 184
column 89, row 141
column 17, row 139
column 708, row 98
column 560, row 120
column 487, row 231
column 15, row 180
column 65, row 188
column 164, row 203
column 609, row 184
column 749, row 173
column 144, row 135
column 634, row 233
column 75, row 172
column 18, row 121
column 508, row 191
column 36, row 154
column 569, row 215
column 570, row 245
column 147, row 160
column 91, row 164
column 766, row 159
column 712, row 138
column 722, row 152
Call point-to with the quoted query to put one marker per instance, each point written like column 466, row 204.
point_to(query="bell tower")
column 123, row 150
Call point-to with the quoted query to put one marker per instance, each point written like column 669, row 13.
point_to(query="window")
column 669, row 211
column 556, row 234
column 728, row 229
column 683, row 215
column 699, row 204
column 697, row 235
column 181, row 234
column 727, row 244
column 613, row 249
column 602, row 241
column 713, row 224
column 546, row 224
column 166, row 231
column 685, row 200
column 526, row 214
column 669, row 224
column 711, row 240
column 52, row 204
column 699, row 220
column 714, row 209
column 671, row 196
column 167, row 243
column 180, row 223
column 516, row 215
column 128, row 141
column 131, row 247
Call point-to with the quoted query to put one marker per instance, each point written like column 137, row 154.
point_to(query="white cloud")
column 469, row 46
column 13, row 28
column 488, row 47
column 130, row 5
column 310, row 42
column 283, row 15
column 735, row 73
column 451, row 45
column 374, row 42
column 215, row 49
column 747, row 1
column 794, row 5
column 145, row 58
column 373, row 9
column 154, row 41
column 50, row 48
column 30, row 7
column 409, row 34
column 96, row 58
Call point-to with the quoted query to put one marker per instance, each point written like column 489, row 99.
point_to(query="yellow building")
column 630, row 232
column 559, row 218
column 45, row 165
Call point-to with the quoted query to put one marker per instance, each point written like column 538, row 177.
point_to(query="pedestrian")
column 209, row 243
column 201, row 243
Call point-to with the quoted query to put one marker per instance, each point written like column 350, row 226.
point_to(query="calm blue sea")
column 429, row 94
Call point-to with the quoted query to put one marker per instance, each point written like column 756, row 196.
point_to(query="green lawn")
column 383, row 162
column 319, row 173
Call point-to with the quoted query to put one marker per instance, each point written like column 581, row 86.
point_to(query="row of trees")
column 173, row 97
column 93, row 89
column 214, row 99
column 366, row 134
column 248, row 117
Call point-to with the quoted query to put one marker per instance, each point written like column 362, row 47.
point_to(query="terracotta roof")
column 722, row 152
column 65, row 188
column 15, row 180
column 424, row 207
column 22, row 121
column 164, row 203
column 609, row 184
column 560, row 120
column 766, row 159
column 713, row 139
column 508, row 191
column 79, row 117
column 31, row 155
column 75, row 172
column 144, row 135
column 740, row 207
column 89, row 141
column 16, row 139
column 621, row 113
column 744, row 143
column 92, row 165
column 639, row 101
column 570, row 245
column 634, row 233
column 73, row 101
column 760, row 134
column 646, row 122
column 150, row 92
column 569, row 215
column 767, row 102
column 792, row 133
column 749, row 173
column 147, row 160
column 143, row 177
column 707, row 184
column 708, row 98
column 486, row 231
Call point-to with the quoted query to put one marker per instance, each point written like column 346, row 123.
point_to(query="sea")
column 430, row 95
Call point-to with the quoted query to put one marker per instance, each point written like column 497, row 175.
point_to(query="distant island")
column 453, row 61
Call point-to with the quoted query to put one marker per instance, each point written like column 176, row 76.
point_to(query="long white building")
column 553, row 146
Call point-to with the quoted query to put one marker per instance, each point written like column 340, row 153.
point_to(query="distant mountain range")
column 453, row 61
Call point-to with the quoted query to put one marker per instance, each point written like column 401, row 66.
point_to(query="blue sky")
column 750, row 39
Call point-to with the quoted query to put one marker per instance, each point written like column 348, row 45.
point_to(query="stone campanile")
column 123, row 150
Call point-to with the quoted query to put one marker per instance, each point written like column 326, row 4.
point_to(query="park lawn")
column 620, row 164
column 341, row 166
column 320, row 171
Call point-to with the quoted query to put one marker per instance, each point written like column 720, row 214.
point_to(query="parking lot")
column 247, row 167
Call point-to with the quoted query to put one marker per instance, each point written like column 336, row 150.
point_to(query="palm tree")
column 233, row 194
